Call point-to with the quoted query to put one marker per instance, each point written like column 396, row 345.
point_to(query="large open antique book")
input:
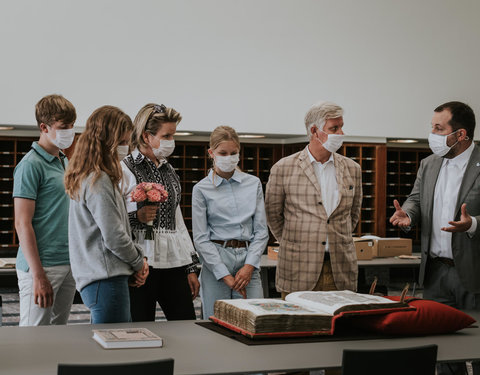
column 301, row 314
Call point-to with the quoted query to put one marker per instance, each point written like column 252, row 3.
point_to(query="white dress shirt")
column 327, row 179
column 444, row 202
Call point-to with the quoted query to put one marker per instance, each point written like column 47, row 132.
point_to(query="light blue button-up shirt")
column 225, row 210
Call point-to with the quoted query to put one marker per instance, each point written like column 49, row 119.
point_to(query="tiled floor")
column 79, row 313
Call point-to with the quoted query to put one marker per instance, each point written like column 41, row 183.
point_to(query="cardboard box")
column 391, row 247
column 272, row 252
column 368, row 248
column 364, row 248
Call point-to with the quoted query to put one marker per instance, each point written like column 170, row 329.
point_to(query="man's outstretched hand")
column 400, row 217
column 463, row 224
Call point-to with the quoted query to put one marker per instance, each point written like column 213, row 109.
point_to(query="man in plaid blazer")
column 313, row 201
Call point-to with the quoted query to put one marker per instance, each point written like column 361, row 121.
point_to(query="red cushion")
column 430, row 317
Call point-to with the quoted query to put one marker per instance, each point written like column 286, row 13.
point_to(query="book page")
column 329, row 302
column 268, row 306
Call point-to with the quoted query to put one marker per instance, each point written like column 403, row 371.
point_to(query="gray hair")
column 319, row 113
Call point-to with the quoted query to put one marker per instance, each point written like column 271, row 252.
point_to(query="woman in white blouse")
column 172, row 281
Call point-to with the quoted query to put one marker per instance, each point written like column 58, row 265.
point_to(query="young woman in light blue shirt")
column 229, row 225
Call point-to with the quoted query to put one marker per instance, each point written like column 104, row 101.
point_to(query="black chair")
column 419, row 360
column 159, row 367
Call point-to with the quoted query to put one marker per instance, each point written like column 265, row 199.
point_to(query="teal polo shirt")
column 39, row 176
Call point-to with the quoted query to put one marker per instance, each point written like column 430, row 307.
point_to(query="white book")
column 7, row 262
column 120, row 338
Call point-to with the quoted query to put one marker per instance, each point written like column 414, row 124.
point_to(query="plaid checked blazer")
column 298, row 220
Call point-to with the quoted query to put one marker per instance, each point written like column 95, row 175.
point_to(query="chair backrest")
column 419, row 360
column 158, row 367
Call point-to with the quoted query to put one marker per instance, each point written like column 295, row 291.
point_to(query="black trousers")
column 169, row 287
column 442, row 284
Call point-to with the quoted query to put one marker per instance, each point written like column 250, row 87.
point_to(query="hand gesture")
column 147, row 213
column 463, row 224
column 400, row 217
column 42, row 291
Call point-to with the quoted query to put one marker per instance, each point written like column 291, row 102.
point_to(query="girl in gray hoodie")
column 103, row 257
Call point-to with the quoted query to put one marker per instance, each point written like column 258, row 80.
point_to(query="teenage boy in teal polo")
column 45, row 281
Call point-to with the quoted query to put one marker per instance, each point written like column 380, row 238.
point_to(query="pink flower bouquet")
column 152, row 194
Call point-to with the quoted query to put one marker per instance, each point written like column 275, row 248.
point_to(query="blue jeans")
column 212, row 289
column 108, row 300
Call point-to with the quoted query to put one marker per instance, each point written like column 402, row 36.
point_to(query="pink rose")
column 138, row 195
column 154, row 195
column 164, row 195
column 147, row 186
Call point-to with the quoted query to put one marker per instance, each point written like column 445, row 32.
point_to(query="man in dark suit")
column 446, row 201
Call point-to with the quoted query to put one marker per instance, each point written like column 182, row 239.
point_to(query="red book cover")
column 329, row 331
column 272, row 309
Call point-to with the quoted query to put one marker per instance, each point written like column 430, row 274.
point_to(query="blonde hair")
column 223, row 134
column 319, row 113
column 150, row 119
column 96, row 149
column 53, row 108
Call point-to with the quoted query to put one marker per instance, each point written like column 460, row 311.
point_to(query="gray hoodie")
column 100, row 245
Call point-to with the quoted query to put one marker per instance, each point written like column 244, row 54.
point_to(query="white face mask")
column 333, row 142
column 438, row 143
column 165, row 149
column 63, row 138
column 227, row 163
column 122, row 152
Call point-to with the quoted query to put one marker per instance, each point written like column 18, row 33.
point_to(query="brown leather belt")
column 232, row 243
column 447, row 261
